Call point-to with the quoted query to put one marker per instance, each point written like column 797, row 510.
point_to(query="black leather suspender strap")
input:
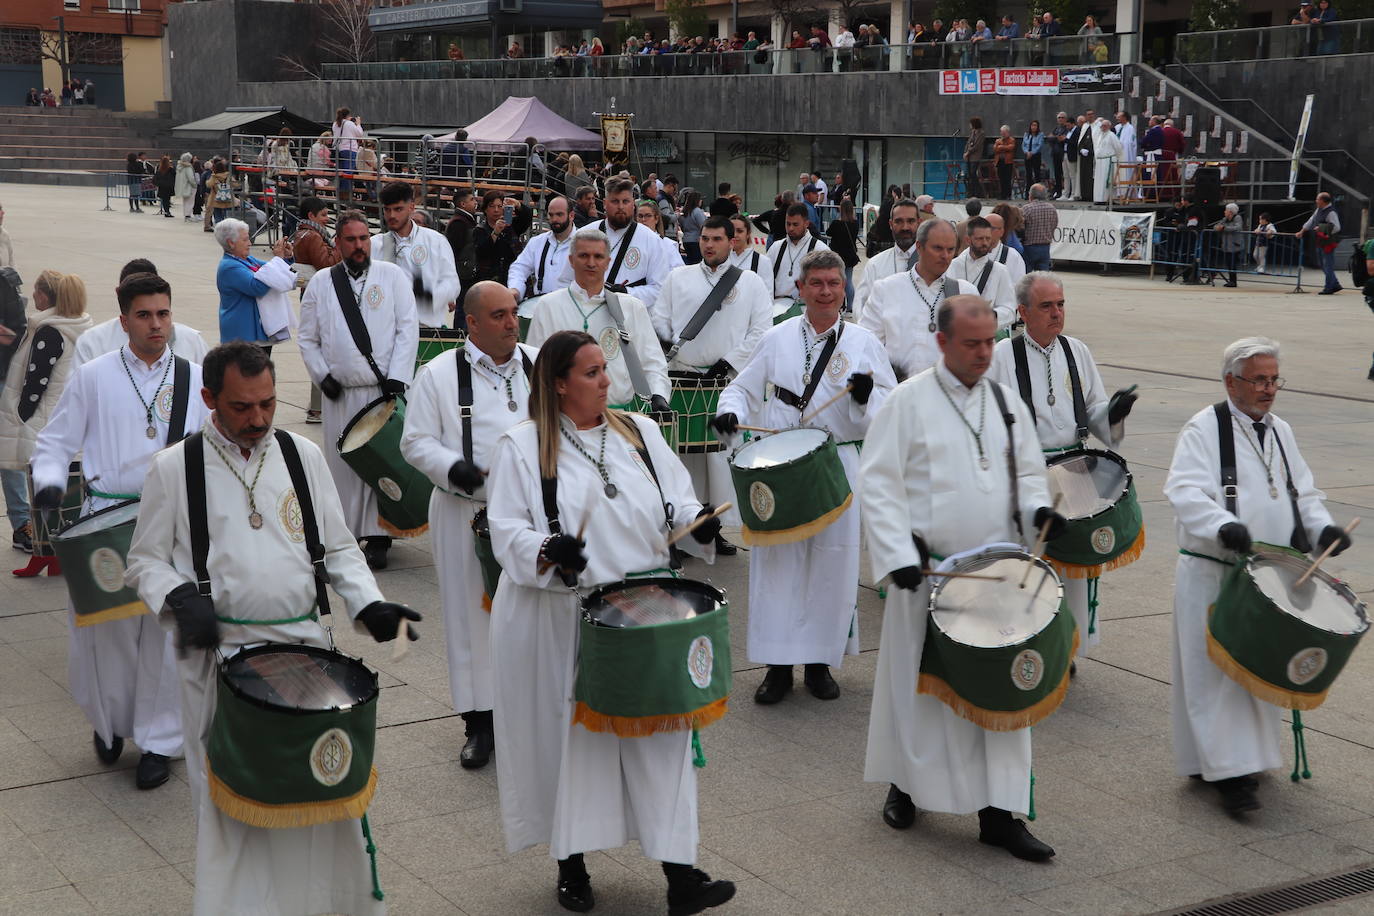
column 777, row 262
column 181, row 395
column 465, row 393
column 1299, row 540
column 311, row 527
column 353, row 314
column 1023, row 382
column 1080, row 407
column 1010, row 419
column 1226, row 447
column 623, row 247
column 548, row 487
column 543, row 260
column 1002, row 258
column 983, row 277
column 790, row 398
column 195, row 509
column 754, row 265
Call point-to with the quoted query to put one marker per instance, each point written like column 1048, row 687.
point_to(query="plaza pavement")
column 784, row 810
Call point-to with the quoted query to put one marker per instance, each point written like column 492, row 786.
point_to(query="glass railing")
column 1355, row 36
column 1025, row 52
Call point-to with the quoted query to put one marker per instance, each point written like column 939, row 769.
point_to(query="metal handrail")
column 1349, row 36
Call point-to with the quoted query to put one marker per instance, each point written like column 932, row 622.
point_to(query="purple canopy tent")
column 518, row 118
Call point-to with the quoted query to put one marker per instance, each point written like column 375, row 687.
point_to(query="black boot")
column 107, row 753
column 818, row 680
column 574, row 885
column 691, row 890
column 776, row 683
column 724, row 548
column 481, row 740
column 999, row 828
column 899, row 812
column 1238, row 794
column 376, row 551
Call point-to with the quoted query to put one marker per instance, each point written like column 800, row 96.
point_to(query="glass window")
column 732, row 155
column 701, row 165
column 904, row 166
column 75, row 4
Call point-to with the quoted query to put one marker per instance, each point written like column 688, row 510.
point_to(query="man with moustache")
column 787, row 253
column 905, row 218
column 425, row 255
column 638, row 264
column 978, row 265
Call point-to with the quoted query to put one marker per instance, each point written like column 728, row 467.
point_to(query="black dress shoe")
column 724, row 548
column 107, row 754
column 776, row 683
column 818, row 680
column 1238, row 794
column 1073, row 670
column 899, row 812
column 376, row 554
column 694, row 891
column 153, row 771
column 477, row 751
column 999, row 828
column 576, row 895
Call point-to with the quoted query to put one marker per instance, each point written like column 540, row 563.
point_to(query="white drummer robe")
column 642, row 270
column 784, row 259
column 254, row 575
column 882, row 265
column 921, row 475
column 388, row 308
column 901, row 320
column 803, row 596
column 122, row 673
column 730, row 334
column 1220, row 729
column 560, row 784
column 432, row 442
column 186, row 342
column 1058, row 432
column 998, row 288
column 428, row 255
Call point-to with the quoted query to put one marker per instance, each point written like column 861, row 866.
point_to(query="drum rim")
column 348, row 428
column 278, row 648
column 791, row 462
column 711, row 591
column 62, row 534
column 480, row 517
column 699, row 381
column 1270, row 552
column 441, row 333
column 999, row 553
column 1100, row 452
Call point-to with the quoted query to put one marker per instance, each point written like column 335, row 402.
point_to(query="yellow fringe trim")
column 486, row 602
column 754, row 538
column 305, row 814
column 1258, row 687
column 123, row 612
column 401, row 532
column 994, row 720
column 644, row 726
column 1074, row 571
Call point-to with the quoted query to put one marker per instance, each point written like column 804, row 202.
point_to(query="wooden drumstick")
column 955, row 575
column 402, row 642
column 812, row 415
column 1354, row 522
column 582, row 529
column 1039, row 549
column 680, row 533
column 756, row 429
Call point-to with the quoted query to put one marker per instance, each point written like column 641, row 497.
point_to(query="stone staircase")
column 75, row 146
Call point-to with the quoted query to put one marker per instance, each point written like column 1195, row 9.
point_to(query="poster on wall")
column 1095, row 236
column 1030, row 80
column 1090, row 79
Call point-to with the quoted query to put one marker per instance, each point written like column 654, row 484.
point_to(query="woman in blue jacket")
column 239, row 289
column 1032, row 144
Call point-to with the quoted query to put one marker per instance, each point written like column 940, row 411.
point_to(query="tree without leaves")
column 82, row 48
column 342, row 36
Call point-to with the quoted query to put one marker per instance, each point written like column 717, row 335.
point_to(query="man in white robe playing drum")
column 1222, row 733
column 456, row 460
column 937, row 481
column 803, row 595
column 262, row 589
column 425, row 255
column 350, row 379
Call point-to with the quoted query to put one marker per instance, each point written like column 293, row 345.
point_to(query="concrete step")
column 73, row 130
column 80, row 163
column 51, row 176
column 120, row 148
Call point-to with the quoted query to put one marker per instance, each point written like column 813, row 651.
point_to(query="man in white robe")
column 1222, row 733
column 424, row 255
column 582, row 307
column 184, row 340
column 785, row 256
column 1040, row 304
column 349, row 379
column 935, row 483
column 744, row 255
column 1107, row 152
column 902, row 308
column 1003, row 253
column 542, row 261
column 977, row 265
column 434, row 443
column 719, row 351
column 261, row 590
column 904, row 220
column 122, row 672
column 1125, row 132
column 803, row 596
column 638, row 262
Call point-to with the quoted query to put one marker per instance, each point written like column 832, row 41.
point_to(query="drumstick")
column 756, row 429
column 1040, row 540
column 1325, row 553
column 812, row 415
column 680, row 533
column 402, row 646
column 955, row 575
column 582, row 529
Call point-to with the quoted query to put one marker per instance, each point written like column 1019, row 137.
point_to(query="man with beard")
column 536, row 270
column 638, row 264
column 786, row 255
column 358, row 337
column 978, row 265
column 904, row 219
column 425, row 256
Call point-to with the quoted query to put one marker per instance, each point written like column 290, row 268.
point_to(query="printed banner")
column 1090, row 79
column 1094, row 236
column 1031, row 80
column 1028, row 81
column 968, row 82
column 615, row 139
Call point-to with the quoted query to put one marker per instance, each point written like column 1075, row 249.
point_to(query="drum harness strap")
column 353, row 315
column 465, row 394
column 1023, row 383
column 790, row 398
column 620, row 251
column 1226, row 442
column 983, row 277
column 1009, row 419
column 638, row 380
column 708, row 308
column 176, row 426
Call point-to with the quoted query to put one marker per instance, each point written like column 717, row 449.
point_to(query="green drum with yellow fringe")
column 1105, row 530
column 434, row 341
column 997, row 653
column 524, row 314
column 486, row 557
column 694, row 401
column 371, row 445
column 94, row 552
column 1284, row 642
column 654, row 657
column 789, row 486
column 293, row 735
column 782, row 311
column 665, row 420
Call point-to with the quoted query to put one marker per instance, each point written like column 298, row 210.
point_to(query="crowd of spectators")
column 75, row 92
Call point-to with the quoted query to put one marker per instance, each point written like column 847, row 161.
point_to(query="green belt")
column 857, row 443
column 100, row 494
column 1203, row 556
column 269, row 623
column 1062, row 448
column 650, row 573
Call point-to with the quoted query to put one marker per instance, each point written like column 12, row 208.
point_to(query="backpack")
column 1359, row 275
column 224, row 193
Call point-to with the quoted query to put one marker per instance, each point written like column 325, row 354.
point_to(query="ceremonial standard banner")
column 615, row 139
column 1095, row 236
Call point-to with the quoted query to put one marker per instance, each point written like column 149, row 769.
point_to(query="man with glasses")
column 1237, row 478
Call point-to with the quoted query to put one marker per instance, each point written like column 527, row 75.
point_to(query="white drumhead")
column 105, row 520
column 1320, row 601
column 780, row 448
column 987, row 614
column 528, row 306
column 368, row 425
column 1086, row 484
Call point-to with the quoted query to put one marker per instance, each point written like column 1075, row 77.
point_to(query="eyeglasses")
column 1264, row 381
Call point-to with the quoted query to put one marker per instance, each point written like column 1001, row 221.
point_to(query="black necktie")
column 1259, row 432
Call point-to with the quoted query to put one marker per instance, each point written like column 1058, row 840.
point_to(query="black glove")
column 48, row 499
column 383, row 620
column 465, row 476
column 908, row 577
column 1120, row 405
column 331, row 388
column 706, row 532
column 721, row 369
column 659, row 404
column 860, row 387
column 1333, row 535
column 1235, row 536
column 194, row 613
column 393, row 388
column 726, row 424
column 565, row 552
column 1057, row 522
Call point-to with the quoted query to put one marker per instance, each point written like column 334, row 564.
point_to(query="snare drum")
column 525, row 314
column 654, row 656
column 995, row 653
column 1283, row 643
column 93, row 553
column 292, row 739
column 434, row 341
column 1105, row 530
column 371, row 445
column 46, row 524
column 789, row 486
column 784, row 309
column 486, row 557
column 694, row 401
column 666, row 420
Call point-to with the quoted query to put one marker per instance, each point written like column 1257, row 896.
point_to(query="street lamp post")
column 62, row 48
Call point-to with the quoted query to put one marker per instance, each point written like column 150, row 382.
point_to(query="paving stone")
column 154, row 890
column 97, row 851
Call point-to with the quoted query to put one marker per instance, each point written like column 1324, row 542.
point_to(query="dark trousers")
column 1004, row 173
column 1085, row 177
column 1058, row 157
column 975, row 183
column 1032, row 171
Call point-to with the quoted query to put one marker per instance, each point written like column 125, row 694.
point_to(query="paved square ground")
column 784, row 810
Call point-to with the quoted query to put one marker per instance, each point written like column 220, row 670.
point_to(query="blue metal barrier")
column 122, row 186
column 1200, row 256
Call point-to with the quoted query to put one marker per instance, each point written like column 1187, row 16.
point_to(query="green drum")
column 293, row 735
column 654, row 656
column 371, row 445
column 525, row 314
column 1284, row 642
column 694, row 401
column 434, row 341
column 1097, row 496
column 782, row 311
column 995, row 653
column 667, row 421
column 46, row 524
column 93, row 553
column 789, row 486
column 491, row 570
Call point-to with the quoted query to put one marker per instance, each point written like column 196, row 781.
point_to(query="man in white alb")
column 185, row 341
column 638, row 262
column 425, row 255
column 977, row 265
column 1003, row 253
column 542, row 261
column 786, row 254
column 904, row 219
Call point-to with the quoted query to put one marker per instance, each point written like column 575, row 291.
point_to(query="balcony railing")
column 1354, row 36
